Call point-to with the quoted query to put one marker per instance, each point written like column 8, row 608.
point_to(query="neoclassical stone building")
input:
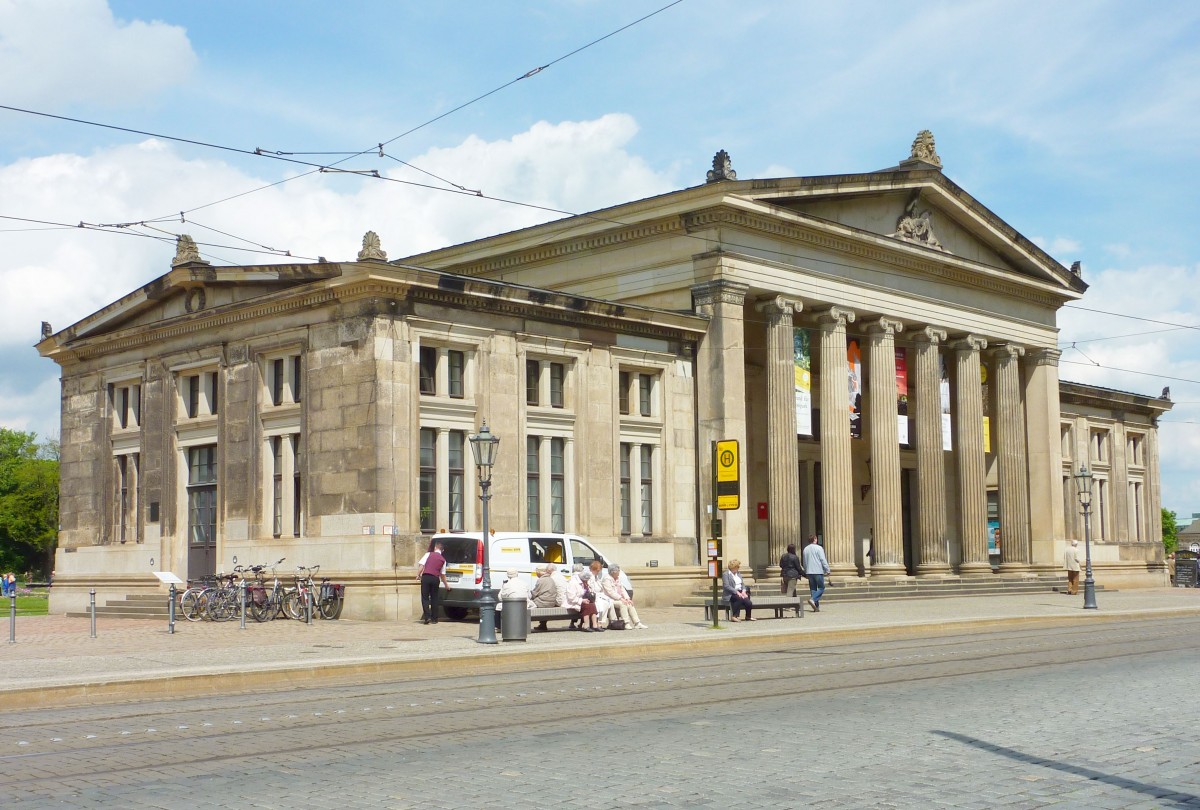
column 882, row 346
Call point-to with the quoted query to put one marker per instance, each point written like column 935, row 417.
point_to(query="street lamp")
column 1083, row 481
column 484, row 446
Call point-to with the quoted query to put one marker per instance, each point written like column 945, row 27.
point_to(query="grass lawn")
column 35, row 605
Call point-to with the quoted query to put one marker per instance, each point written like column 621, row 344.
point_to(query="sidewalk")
column 55, row 662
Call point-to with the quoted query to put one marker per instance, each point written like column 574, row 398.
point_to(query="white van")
column 528, row 552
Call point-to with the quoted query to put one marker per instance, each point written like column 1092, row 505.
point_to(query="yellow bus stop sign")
column 728, row 480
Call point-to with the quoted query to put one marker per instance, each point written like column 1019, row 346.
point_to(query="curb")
column 242, row 680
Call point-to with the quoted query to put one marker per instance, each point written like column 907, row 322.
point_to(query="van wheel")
column 456, row 613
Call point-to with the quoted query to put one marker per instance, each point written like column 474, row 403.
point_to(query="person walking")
column 1071, row 563
column 790, row 571
column 431, row 569
column 816, row 568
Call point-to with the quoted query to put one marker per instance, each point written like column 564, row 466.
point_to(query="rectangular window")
column 277, row 383
column 297, row 512
column 557, row 374
column 1100, row 446
column 1068, row 451
column 457, row 484
column 558, row 470
column 647, row 489
column 127, row 497
column 645, row 389
column 428, row 495
column 277, row 443
column 296, row 379
column 210, row 389
column 428, row 370
column 456, row 363
column 126, row 405
column 626, row 494
column 533, row 374
column 623, row 392
column 1101, row 508
column 533, row 484
column 193, row 396
column 202, row 495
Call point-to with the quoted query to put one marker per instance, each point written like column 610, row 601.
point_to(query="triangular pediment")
column 919, row 208
column 190, row 292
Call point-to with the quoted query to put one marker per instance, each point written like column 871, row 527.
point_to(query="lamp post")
column 484, row 446
column 1083, row 480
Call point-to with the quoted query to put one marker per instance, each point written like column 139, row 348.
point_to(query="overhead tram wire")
column 1131, row 371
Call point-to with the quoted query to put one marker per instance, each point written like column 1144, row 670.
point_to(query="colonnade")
column 1019, row 381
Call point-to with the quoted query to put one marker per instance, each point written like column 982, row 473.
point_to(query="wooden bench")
column 549, row 614
column 778, row 602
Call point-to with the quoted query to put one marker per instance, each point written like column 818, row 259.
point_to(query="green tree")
column 28, row 502
column 1170, row 531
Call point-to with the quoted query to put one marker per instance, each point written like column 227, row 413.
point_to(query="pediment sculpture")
column 916, row 226
column 722, row 168
column 186, row 251
column 923, row 149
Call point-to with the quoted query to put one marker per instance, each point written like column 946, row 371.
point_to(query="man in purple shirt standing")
column 430, row 569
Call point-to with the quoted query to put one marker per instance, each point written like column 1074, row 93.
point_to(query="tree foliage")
column 1170, row 531
column 28, row 502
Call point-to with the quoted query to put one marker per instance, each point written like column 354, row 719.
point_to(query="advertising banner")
column 854, row 367
column 947, row 425
column 902, row 395
column 802, row 359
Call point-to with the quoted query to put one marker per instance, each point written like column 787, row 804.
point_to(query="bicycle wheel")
column 189, row 605
column 222, row 606
column 293, row 606
column 262, row 611
column 330, row 607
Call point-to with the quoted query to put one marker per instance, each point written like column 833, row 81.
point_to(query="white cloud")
column 1062, row 248
column 56, row 52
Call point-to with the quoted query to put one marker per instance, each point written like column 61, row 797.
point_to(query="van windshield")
column 461, row 550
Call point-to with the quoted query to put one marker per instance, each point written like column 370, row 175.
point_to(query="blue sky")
column 1075, row 122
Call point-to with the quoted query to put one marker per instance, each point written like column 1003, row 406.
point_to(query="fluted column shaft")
column 931, row 469
column 837, row 497
column 968, row 444
column 887, row 512
column 783, row 470
column 1010, row 446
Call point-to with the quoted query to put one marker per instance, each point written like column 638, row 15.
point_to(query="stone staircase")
column 136, row 606
column 862, row 590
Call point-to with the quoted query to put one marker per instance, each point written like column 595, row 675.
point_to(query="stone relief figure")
column 47, row 329
column 914, row 226
column 371, row 249
column 722, row 168
column 923, row 149
column 186, row 251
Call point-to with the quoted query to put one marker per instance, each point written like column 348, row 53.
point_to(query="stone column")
column 1010, row 453
column 968, row 443
column 721, row 393
column 932, row 559
column 837, row 496
column 783, row 477
column 1047, row 517
column 887, row 513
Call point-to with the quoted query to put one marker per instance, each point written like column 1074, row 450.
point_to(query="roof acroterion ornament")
column 186, row 252
column 722, row 168
column 924, row 150
column 371, row 250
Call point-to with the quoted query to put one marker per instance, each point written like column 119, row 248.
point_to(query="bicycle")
column 298, row 601
column 261, row 604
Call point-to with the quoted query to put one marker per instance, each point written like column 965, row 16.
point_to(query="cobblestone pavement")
column 1098, row 715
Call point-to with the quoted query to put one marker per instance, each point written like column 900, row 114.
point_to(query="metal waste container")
column 514, row 620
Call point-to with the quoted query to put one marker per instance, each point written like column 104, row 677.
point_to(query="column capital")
column 835, row 317
column 929, row 334
column 779, row 305
column 969, row 343
column 1045, row 357
column 883, row 326
column 719, row 291
column 1008, row 351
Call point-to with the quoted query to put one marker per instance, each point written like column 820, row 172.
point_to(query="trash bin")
column 514, row 620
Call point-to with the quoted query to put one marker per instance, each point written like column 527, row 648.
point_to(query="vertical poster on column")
column 987, row 413
column 802, row 361
column 902, row 395
column 854, row 368
column 947, row 425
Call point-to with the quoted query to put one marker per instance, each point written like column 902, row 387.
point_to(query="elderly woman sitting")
column 735, row 590
column 581, row 601
column 621, row 600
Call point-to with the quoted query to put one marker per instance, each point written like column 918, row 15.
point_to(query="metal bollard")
column 12, row 618
column 242, row 604
column 92, row 609
column 171, row 612
column 308, row 606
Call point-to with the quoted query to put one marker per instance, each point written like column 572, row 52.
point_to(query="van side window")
column 546, row 550
column 583, row 553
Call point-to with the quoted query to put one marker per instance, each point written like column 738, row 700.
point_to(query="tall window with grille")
column 199, row 393
column 283, row 379
column 558, row 471
column 127, row 467
column 126, row 403
column 286, row 508
column 533, row 378
column 647, row 485
column 202, row 495
column 456, row 482
column 442, row 372
column 428, row 483
column 533, row 484
column 626, row 492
